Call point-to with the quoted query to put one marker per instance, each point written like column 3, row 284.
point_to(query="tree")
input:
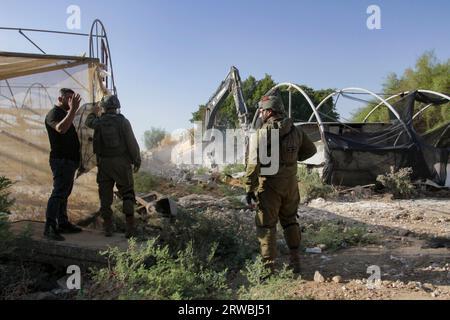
column 199, row 115
column 428, row 73
column 153, row 137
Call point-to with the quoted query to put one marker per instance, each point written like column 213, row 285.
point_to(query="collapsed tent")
column 356, row 153
column 356, row 156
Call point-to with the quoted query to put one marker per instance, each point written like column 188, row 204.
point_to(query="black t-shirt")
column 63, row 146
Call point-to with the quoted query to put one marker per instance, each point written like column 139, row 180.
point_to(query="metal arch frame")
column 422, row 111
column 405, row 93
column 98, row 31
column 380, row 104
column 431, row 104
column 322, row 103
column 35, row 85
column 308, row 99
column 338, row 92
column 383, row 101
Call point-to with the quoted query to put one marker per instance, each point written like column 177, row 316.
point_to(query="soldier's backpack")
column 110, row 140
column 290, row 144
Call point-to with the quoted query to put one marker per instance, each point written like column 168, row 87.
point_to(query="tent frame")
column 404, row 94
column 99, row 50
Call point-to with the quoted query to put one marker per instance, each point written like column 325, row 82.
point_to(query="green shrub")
column 228, row 191
column 145, row 182
column 196, row 189
column 232, row 231
column 335, row 236
column 398, row 183
column 151, row 272
column 5, row 204
column 5, row 234
column 233, row 169
column 5, row 201
column 261, row 285
column 311, row 185
column 202, row 171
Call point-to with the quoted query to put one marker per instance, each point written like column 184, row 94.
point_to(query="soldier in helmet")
column 117, row 151
column 278, row 195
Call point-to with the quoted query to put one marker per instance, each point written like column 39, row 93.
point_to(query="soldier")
column 278, row 195
column 117, row 151
column 64, row 162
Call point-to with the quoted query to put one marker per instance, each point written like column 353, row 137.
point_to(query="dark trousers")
column 63, row 177
column 115, row 171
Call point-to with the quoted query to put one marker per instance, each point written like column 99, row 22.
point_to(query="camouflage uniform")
column 278, row 194
column 117, row 150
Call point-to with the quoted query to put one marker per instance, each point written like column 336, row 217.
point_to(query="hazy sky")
column 169, row 56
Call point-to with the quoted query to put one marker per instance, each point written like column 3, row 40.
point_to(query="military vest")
column 109, row 138
column 290, row 141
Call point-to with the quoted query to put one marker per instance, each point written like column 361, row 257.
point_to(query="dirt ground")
column 31, row 199
column 414, row 263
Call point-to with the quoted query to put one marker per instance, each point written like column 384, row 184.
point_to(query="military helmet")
column 273, row 103
column 110, row 102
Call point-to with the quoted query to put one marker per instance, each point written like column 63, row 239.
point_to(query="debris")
column 401, row 215
column 435, row 293
column 404, row 233
column 386, row 283
column 318, row 201
column 414, row 285
column 238, row 175
column 201, row 178
column 357, row 188
column 318, row 277
column 337, row 279
column 400, row 259
column 315, row 250
column 167, row 207
column 439, row 242
column 326, row 258
column 429, row 287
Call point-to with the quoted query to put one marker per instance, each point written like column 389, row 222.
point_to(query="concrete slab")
column 82, row 249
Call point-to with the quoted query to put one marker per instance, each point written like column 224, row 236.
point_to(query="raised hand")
column 74, row 102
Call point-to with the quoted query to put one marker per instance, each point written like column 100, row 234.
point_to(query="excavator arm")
column 231, row 84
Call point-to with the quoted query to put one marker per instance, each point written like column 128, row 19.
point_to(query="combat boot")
column 51, row 233
column 130, row 231
column 108, row 227
column 294, row 259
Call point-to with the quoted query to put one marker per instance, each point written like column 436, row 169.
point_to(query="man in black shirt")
column 64, row 162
